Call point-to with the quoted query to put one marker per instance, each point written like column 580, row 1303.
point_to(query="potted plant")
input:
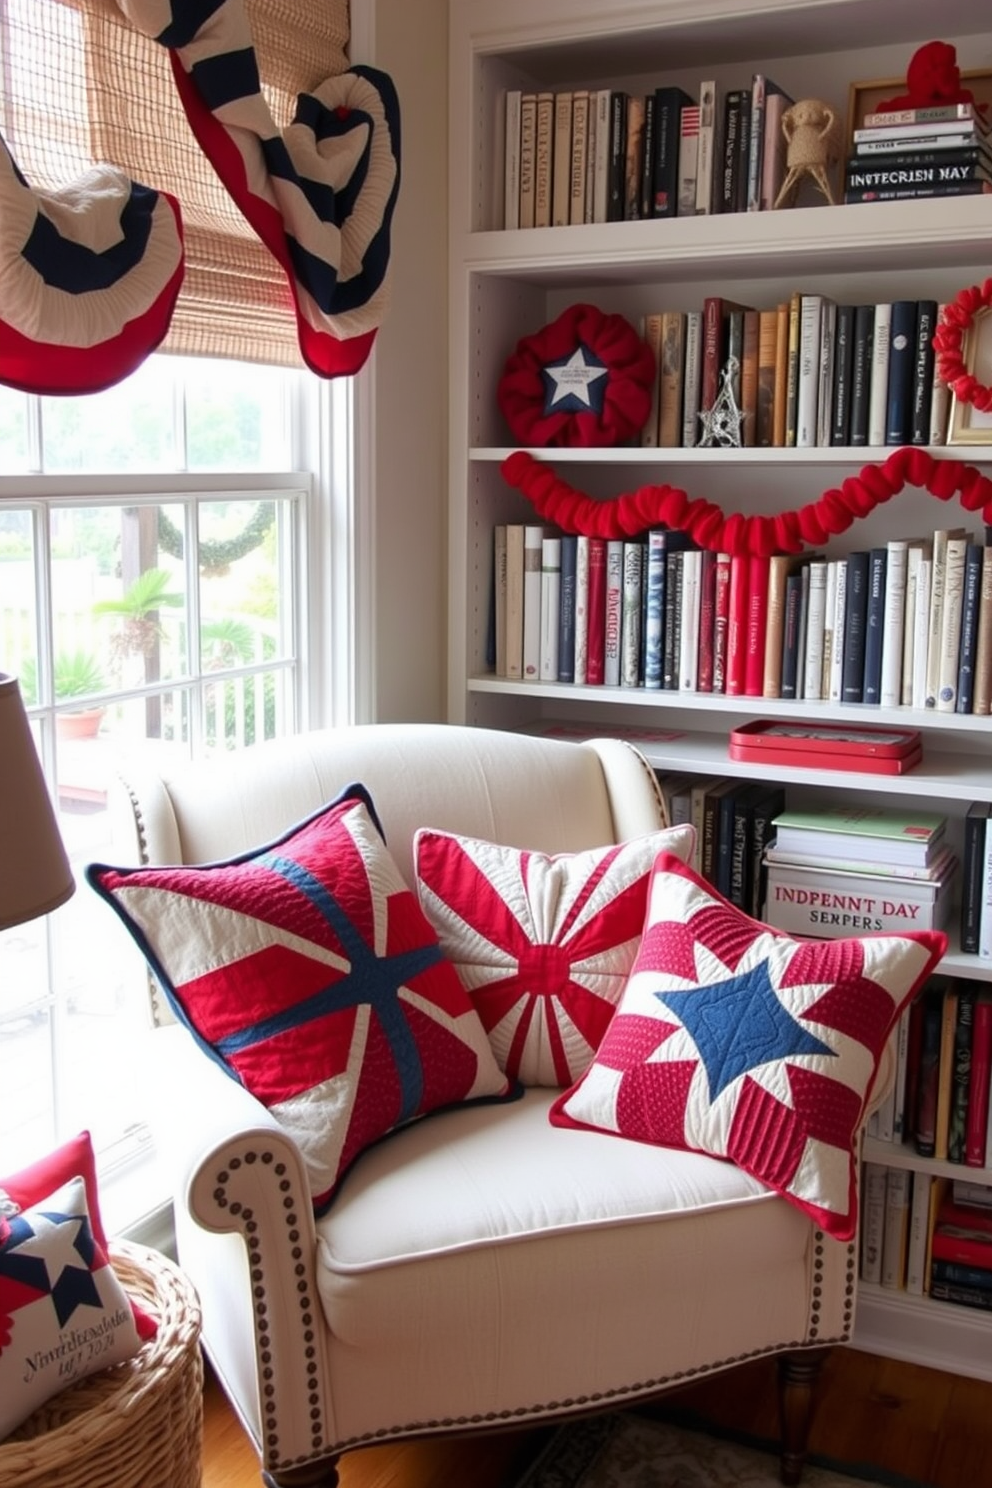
column 76, row 673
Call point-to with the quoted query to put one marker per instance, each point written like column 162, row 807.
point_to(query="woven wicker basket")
column 137, row 1425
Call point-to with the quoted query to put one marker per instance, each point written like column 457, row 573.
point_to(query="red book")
column 967, row 1251
column 757, row 619
column 596, row 651
column 737, row 626
column 978, row 1089
column 707, row 606
column 716, row 311
column 721, row 613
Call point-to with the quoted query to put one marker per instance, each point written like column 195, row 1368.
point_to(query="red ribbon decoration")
column 633, row 512
column 956, row 319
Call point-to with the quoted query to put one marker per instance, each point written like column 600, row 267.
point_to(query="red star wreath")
column 955, row 322
column 583, row 380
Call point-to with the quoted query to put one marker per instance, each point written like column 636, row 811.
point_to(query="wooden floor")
column 930, row 1426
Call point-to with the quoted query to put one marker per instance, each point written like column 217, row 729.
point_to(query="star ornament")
column 736, row 1040
column 575, row 384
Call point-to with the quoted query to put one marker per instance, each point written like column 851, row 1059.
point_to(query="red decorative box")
column 827, row 746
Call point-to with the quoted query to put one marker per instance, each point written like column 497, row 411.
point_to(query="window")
column 159, row 565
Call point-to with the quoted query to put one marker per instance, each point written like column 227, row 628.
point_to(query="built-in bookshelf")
column 509, row 284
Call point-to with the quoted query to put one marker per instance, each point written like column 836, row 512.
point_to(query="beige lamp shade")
column 35, row 876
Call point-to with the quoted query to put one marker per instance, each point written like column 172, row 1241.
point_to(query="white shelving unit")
column 506, row 285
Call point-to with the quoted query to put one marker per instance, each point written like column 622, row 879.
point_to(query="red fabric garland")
column 634, row 512
column 956, row 319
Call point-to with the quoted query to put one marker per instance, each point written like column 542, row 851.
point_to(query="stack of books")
column 942, row 150
column 918, row 1236
column 847, row 871
column 961, row 1254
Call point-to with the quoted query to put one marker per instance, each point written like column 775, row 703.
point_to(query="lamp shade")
column 35, row 876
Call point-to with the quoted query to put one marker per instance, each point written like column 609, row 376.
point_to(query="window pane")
column 129, row 427
column 18, row 599
column 14, row 453
column 236, row 416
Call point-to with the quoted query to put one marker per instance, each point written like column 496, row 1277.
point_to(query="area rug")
column 626, row 1450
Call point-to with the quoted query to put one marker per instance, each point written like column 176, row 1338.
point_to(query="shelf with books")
column 507, row 283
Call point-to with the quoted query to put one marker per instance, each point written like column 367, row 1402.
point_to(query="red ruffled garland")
column 948, row 341
column 633, row 512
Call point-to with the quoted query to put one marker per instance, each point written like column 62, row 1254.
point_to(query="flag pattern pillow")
column 307, row 969
column 543, row 944
column 734, row 1039
column 63, row 1312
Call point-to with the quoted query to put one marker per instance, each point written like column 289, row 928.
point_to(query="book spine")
column 861, row 362
column 725, row 841
column 916, row 1247
column 691, row 378
column 896, row 1227
column 688, row 166
column 835, row 688
column 756, row 141
column 766, row 809
column 633, row 158
column 950, row 624
column 893, row 622
column 940, row 401
column 566, row 609
column 840, row 425
column 902, row 345
column 923, row 365
column 514, row 601
column 960, row 1075
column 561, row 159
column 550, row 608
column 712, row 352
column 976, row 1123
column 581, row 610
column 792, row 371
column 925, row 1125
column 923, row 113
column 734, row 677
column 670, row 379
column 652, row 334
column 872, row 1221
column 689, row 613
column 603, row 155
column 985, row 903
column 978, row 186
column 596, row 652
column 829, row 628
column 749, row 380
column 655, row 606
column 616, row 173
column 855, row 621
column 825, row 388
column 499, row 596
column 743, row 153
column 528, row 147
column 968, row 649
column 945, row 1071
column 730, row 154
column 815, row 627
column 668, row 105
column 914, row 552
column 614, row 612
column 781, row 374
column 778, row 572
column 672, row 637
column 630, row 639
column 757, row 619
column 871, row 688
column 982, row 702
column 809, row 369
column 544, row 142
column 773, row 165
column 707, row 609
column 789, row 685
column 764, row 432
column 533, row 545
column 705, row 203
column 879, row 373
column 579, row 153
column 972, row 864
column 511, row 158
column 721, row 621
column 921, row 631
column 647, row 158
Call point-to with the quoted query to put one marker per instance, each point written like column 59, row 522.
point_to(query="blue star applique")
column 575, row 385
column 738, row 1025
column 53, row 1254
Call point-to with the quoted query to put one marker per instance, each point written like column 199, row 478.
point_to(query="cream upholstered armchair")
column 481, row 1266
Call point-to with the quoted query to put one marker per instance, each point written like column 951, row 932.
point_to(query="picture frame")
column 967, row 424
column 864, row 97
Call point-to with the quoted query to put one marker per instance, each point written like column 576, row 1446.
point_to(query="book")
column 816, row 605
column 566, row 608
column 961, row 1275
column 885, row 173
column 915, row 548
column 791, row 626
column 977, row 1117
column 647, row 157
column 550, row 608
column 893, row 621
column 543, row 146
column 630, row 613
column 723, row 867
column 872, row 1220
column 733, row 106
column 613, row 622
column 895, row 1231
column 781, row 374
column 945, row 1070
column 721, row 621
column 878, row 376
column 967, row 1191
column 616, row 170
column 581, row 610
column 603, row 127
column 499, row 597
column 829, row 627
column 916, row 1244
column 651, row 333
column 968, row 647
column 706, row 173
column 982, row 695
column 773, row 162
column 810, row 311
column 925, row 1116
column 672, row 646
column 972, row 868
column 979, row 185
column 691, row 377
column 825, row 901
column 909, row 129
column 792, row 369
column 596, row 649
column 688, row 665
column 712, row 807
column 985, row 904
column 741, row 838
column 840, row 405
column 878, row 144
column 950, row 623
column 533, row 545
column 924, row 113
column 921, row 628
column 780, row 565
column 670, row 376
column 960, row 1074
column 716, row 315
column 514, row 600
column 655, row 607
column 940, row 400
column 766, row 808
column 756, row 619
column 528, row 147
column 886, row 835
column 862, row 353
column 511, row 157
column 855, row 620
column 871, row 689
column 743, row 153
column 578, row 156
column 707, row 611
column 923, row 365
column 761, row 87
column 633, row 157
column 669, row 102
column 764, row 422
column 749, row 380
column 825, row 387
column 899, row 399
column 736, row 654
column 688, row 160
column 835, row 680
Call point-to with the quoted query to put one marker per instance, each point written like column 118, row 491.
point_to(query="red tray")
column 827, row 746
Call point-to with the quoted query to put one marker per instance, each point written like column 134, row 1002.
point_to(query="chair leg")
column 315, row 1475
column 797, row 1376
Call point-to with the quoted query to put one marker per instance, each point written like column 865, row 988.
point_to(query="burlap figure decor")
column 813, row 136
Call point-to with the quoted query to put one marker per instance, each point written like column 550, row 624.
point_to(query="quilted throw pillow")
column 737, row 1040
column 63, row 1313
column 544, row 945
column 308, row 970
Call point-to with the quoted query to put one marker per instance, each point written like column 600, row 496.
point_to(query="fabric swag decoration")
column 320, row 195
column 89, row 276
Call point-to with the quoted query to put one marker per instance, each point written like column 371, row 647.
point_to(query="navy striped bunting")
column 86, row 293
column 320, row 195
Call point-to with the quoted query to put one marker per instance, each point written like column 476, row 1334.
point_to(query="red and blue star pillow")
column 543, row 944
column 308, row 971
column 736, row 1040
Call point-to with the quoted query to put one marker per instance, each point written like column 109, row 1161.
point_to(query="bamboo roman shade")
column 79, row 85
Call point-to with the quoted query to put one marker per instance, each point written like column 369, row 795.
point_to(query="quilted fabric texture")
column 73, row 1159
column 63, row 1312
column 543, row 944
column 736, row 1040
column 309, row 971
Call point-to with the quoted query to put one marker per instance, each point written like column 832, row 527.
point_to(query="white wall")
column 410, row 372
